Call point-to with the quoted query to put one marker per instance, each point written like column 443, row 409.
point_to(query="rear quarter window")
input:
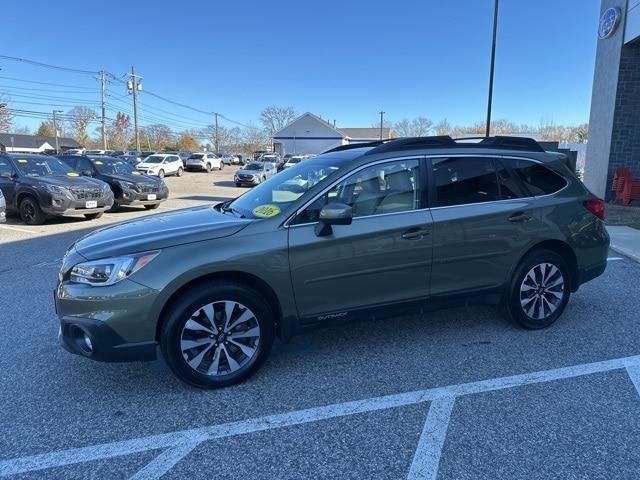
column 538, row 179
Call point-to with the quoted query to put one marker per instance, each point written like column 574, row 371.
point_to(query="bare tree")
column 6, row 117
column 275, row 118
column 443, row 127
column 157, row 135
column 417, row 127
column 23, row 130
column 79, row 118
column 254, row 138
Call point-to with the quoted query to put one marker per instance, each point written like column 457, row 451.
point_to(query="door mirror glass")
column 87, row 173
column 333, row 214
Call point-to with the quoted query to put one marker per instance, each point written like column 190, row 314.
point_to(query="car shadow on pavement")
column 224, row 183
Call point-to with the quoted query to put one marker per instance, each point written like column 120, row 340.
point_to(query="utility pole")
column 103, row 120
column 55, row 128
column 215, row 139
column 493, row 61
column 381, row 123
column 134, row 85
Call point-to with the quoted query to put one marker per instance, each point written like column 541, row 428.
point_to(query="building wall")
column 307, row 134
column 603, row 105
column 304, row 146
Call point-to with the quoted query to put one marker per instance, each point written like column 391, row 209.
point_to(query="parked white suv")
column 204, row 161
column 160, row 165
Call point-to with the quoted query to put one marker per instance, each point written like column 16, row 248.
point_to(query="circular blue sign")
column 609, row 22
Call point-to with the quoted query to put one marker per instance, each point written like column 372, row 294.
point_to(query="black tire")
column 208, row 168
column 221, row 166
column 238, row 184
column 114, row 208
column 152, row 206
column 161, row 174
column 93, row 216
column 30, row 211
column 181, row 312
column 180, row 171
column 517, row 312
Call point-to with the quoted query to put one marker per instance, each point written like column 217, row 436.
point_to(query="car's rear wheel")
column 93, row 216
column 540, row 289
column 217, row 335
column 30, row 211
column 152, row 206
column 161, row 174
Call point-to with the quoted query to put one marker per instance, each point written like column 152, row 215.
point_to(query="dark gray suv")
column 379, row 228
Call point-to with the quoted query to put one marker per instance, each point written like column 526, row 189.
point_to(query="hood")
column 148, row 165
column 159, row 231
column 64, row 181
column 249, row 172
column 123, row 177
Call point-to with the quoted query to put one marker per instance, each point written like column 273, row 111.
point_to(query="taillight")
column 595, row 206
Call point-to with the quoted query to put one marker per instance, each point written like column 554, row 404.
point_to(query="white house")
column 16, row 142
column 309, row 134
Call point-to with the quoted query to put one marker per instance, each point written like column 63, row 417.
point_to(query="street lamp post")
column 493, row 61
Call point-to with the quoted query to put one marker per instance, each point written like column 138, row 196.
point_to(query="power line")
column 45, row 83
column 32, row 89
column 47, row 65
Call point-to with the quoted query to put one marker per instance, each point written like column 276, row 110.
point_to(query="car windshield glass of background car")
column 286, row 187
column 153, row 159
column 42, row 166
column 112, row 167
column 254, row 166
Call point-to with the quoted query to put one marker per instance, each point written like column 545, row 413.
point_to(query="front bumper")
column 131, row 197
column 246, row 181
column 56, row 204
column 115, row 319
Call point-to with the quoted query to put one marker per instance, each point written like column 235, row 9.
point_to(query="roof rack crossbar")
column 350, row 146
column 405, row 143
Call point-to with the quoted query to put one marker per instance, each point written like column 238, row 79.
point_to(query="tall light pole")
column 381, row 123
column 493, row 61
column 215, row 139
column 134, row 86
column 102, row 101
column 55, row 128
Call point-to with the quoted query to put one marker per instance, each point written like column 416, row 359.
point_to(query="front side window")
column 538, row 179
column 464, row 180
column 389, row 187
column 6, row 169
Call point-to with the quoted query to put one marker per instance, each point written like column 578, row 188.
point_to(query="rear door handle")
column 416, row 233
column 520, row 217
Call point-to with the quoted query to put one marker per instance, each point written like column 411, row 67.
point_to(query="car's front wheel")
column 539, row 290
column 161, row 174
column 153, row 206
column 30, row 211
column 93, row 216
column 217, row 335
column 180, row 171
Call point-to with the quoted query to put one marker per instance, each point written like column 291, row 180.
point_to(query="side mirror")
column 333, row 214
column 8, row 175
column 86, row 173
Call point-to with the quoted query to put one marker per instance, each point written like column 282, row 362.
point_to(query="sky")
column 342, row 60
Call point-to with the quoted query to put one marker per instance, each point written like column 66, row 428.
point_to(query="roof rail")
column 350, row 146
column 406, row 143
column 512, row 143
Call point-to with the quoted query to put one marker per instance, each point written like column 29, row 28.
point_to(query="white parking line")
column 164, row 462
column 427, row 457
column 17, row 229
column 299, row 417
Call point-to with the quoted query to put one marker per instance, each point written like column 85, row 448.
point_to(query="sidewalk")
column 625, row 240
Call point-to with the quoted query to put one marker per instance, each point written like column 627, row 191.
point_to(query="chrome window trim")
column 287, row 222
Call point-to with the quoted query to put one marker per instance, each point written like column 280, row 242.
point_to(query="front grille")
column 245, row 177
column 148, row 188
column 86, row 193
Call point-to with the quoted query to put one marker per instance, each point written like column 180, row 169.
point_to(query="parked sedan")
column 129, row 186
column 206, row 161
column 254, row 173
column 38, row 185
column 160, row 165
column 3, row 208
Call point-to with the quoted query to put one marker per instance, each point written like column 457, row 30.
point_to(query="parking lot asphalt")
column 460, row 393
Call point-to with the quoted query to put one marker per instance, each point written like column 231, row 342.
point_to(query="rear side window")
column 464, row 180
column 538, row 179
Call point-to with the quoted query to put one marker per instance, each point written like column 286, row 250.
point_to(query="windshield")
column 154, row 159
column 253, row 166
column 294, row 160
column 111, row 166
column 271, row 198
column 43, row 167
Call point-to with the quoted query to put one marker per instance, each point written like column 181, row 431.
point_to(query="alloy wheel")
column 542, row 291
column 220, row 338
column 28, row 211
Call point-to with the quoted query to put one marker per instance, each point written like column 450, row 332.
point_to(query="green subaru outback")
column 361, row 230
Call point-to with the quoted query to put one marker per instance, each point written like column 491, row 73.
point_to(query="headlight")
column 106, row 189
column 125, row 185
column 54, row 188
column 109, row 271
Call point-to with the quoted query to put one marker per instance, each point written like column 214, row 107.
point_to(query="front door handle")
column 520, row 217
column 416, row 233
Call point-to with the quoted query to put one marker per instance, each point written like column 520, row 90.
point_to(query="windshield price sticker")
column 72, row 174
column 135, row 173
column 98, row 162
column 22, row 160
column 266, row 211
